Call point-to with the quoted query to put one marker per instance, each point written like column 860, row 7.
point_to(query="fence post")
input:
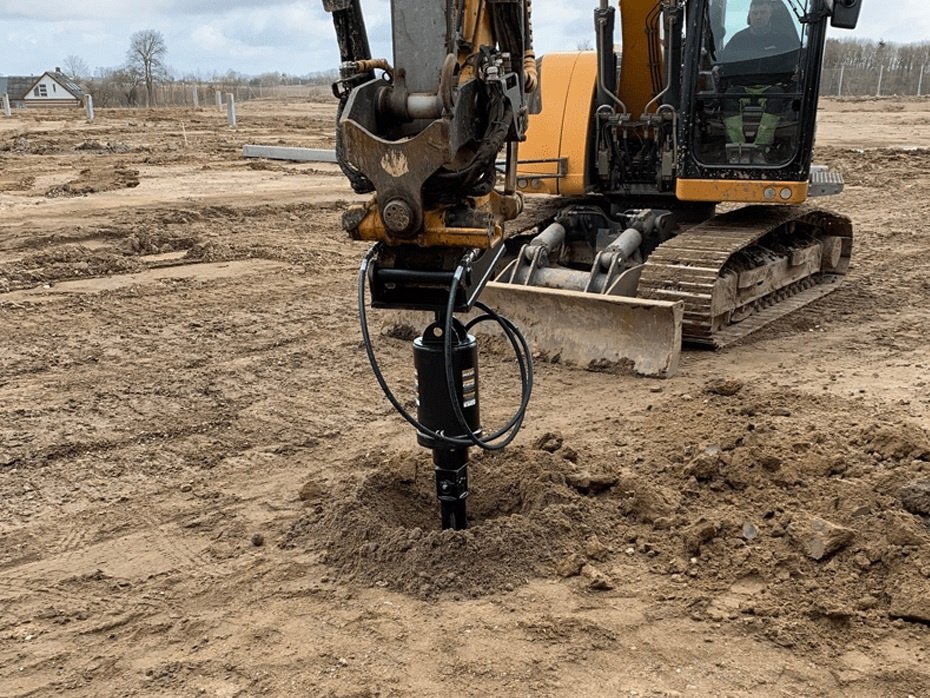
column 881, row 74
column 920, row 80
column 839, row 88
column 196, row 95
column 219, row 101
column 6, row 106
column 231, row 109
column 89, row 106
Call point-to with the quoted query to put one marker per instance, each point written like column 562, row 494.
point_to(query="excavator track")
column 739, row 271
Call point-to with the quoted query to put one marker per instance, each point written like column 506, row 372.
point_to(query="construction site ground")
column 204, row 492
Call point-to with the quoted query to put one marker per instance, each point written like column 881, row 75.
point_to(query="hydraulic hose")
column 514, row 336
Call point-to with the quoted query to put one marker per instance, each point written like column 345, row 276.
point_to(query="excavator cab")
column 748, row 111
column 749, row 95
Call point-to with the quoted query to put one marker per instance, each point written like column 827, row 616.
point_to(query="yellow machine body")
column 641, row 65
column 554, row 155
column 747, row 191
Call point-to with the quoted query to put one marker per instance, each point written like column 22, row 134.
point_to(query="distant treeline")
column 118, row 87
column 852, row 67
column 860, row 67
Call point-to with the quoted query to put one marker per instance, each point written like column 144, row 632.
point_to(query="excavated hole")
column 409, row 500
column 522, row 518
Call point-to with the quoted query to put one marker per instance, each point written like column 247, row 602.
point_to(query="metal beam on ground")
column 274, row 152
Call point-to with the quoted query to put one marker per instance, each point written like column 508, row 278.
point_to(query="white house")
column 51, row 89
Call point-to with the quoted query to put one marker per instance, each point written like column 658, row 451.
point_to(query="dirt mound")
column 65, row 262
column 881, row 168
column 524, row 516
column 35, row 145
column 105, row 147
column 94, row 180
column 737, row 491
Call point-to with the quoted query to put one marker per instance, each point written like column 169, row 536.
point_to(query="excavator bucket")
column 593, row 330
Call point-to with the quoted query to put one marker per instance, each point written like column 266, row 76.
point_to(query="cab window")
column 747, row 107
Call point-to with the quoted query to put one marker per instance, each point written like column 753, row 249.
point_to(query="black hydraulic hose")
column 517, row 341
column 526, row 373
column 481, row 167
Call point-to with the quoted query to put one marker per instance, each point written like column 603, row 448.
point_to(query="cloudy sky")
column 255, row 36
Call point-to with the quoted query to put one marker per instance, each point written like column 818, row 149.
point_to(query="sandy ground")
column 203, row 492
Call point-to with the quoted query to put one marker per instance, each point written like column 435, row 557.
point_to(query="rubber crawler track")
column 688, row 267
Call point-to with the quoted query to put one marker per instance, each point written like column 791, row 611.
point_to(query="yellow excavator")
column 610, row 167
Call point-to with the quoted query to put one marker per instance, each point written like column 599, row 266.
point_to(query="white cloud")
column 210, row 38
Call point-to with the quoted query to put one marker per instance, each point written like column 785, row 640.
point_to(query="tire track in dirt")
column 78, row 545
column 157, row 547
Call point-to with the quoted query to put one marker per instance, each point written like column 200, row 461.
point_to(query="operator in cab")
column 759, row 62
column 762, row 37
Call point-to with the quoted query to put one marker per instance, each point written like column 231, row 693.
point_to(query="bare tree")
column 115, row 87
column 146, row 58
column 76, row 68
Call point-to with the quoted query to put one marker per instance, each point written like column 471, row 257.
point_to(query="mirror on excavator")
column 844, row 14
